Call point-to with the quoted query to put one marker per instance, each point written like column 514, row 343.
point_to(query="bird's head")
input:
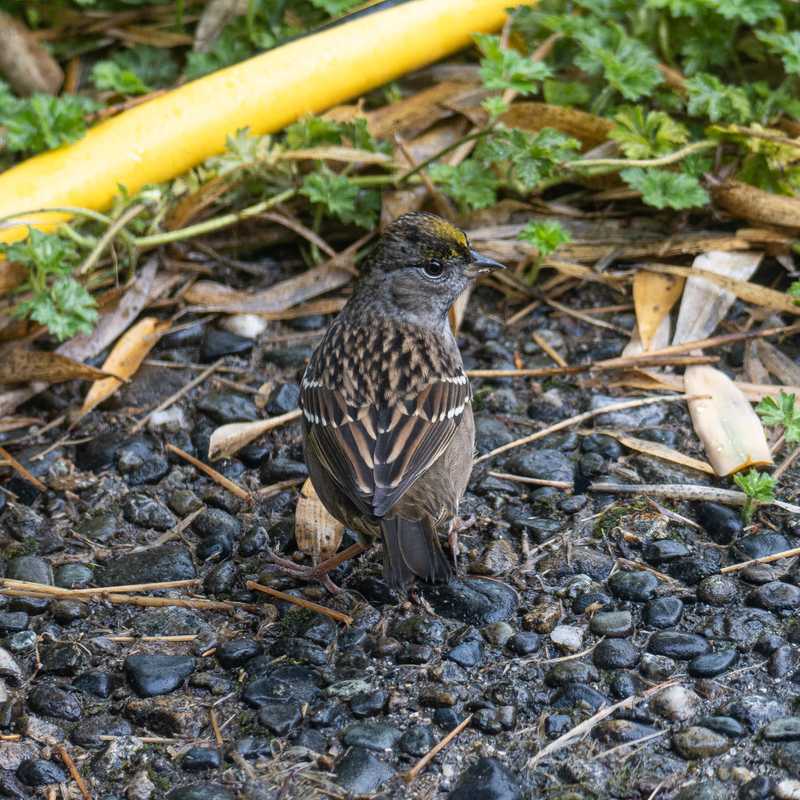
column 421, row 265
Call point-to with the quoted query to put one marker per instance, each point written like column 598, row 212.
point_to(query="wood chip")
column 18, row 365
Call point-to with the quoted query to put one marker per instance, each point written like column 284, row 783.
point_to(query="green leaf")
column 43, row 122
column 756, row 485
column 155, row 66
column 785, row 45
column 112, row 77
column 495, row 106
column 341, row 198
column 470, row 184
column 66, row 309
column 628, row 65
column 313, row 131
column 643, row 134
column 505, row 68
column 335, row 8
column 545, row 236
column 794, row 291
column 43, row 253
column 566, row 93
column 231, row 47
column 663, row 189
column 750, row 12
column 709, row 97
column 784, row 412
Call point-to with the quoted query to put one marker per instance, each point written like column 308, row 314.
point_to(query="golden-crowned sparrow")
column 387, row 419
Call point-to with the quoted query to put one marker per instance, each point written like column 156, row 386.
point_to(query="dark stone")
column 100, row 452
column 474, row 601
column 467, row 654
column 169, row 562
column 759, row 788
column 487, row 779
column 13, row 621
column 369, row 704
column 144, row 511
column 282, row 469
column 73, row 576
column 88, row 733
column 198, row 759
column 711, row 664
column 216, row 521
column 592, row 598
column 99, row 684
column 225, row 408
column 614, row 624
column 567, row 672
column 362, row 772
column 237, row 652
column 253, row 542
column 417, row 740
column 99, row 527
column 776, row 596
column 663, row 612
column 758, row 545
column 694, row 568
column 717, row 590
column 140, row 461
column 679, row 645
column 784, row 729
column 50, row 701
column 550, row 464
column 63, row 659
column 727, row 726
column 723, row 524
column 285, row 397
column 639, row 586
column 29, row 568
column 286, row 681
column 576, row 695
column 217, row 343
column 663, row 551
column 556, row 724
column 372, row 735
column 280, row 716
column 490, row 433
column 615, row 654
column 38, row 772
column 152, row 675
column 216, row 547
column 201, row 791
column 754, row 711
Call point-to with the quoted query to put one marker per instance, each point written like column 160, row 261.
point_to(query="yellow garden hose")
column 168, row 135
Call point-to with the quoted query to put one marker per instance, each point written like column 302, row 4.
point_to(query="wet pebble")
column 72, row 576
column 727, row 726
column 38, row 772
column 639, row 586
column 487, row 779
column 784, row 729
column 362, row 772
column 169, row 562
column 656, row 668
column 722, row 523
column 29, row 568
column 217, row 343
column 280, row 716
column 50, row 701
column 197, row 759
column 146, row 512
column 615, row 654
column 369, row 704
column 13, row 621
column 758, row 545
column 523, row 643
column 663, row 612
column 663, row 551
column 677, row 644
column 152, row 675
column 372, row 735
column 575, row 695
column 759, row 788
column 549, row 464
column 237, row 652
column 697, row 742
column 712, row 664
column 675, row 703
column 717, row 590
column 475, row 601
column 776, row 596
column 284, row 397
column 631, row 418
column 200, row 791
column 614, row 624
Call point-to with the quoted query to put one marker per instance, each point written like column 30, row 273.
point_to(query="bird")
column 388, row 429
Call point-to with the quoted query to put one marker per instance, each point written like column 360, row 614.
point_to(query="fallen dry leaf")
column 216, row 15
column 317, row 533
column 588, row 129
column 228, row 440
column 18, row 365
column 705, row 303
column 11, row 275
column 658, row 450
column 126, row 357
column 15, row 423
column 728, row 427
column 779, row 364
column 653, row 297
column 24, row 62
column 754, row 370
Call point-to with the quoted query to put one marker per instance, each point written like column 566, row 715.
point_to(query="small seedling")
column 783, row 413
column 759, row 487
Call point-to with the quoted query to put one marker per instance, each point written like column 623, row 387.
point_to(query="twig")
column 642, row 740
column 578, row 418
column 215, row 476
column 73, row 770
column 544, row 345
column 24, row 473
column 411, row 774
column 173, row 398
column 143, row 739
column 188, row 637
column 212, row 717
column 587, row 725
column 110, row 232
column 336, row 616
column 41, row 588
column 681, row 491
column 507, row 476
column 278, row 486
column 795, row 551
column 587, row 318
column 786, row 463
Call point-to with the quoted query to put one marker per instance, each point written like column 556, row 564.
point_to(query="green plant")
column 784, row 413
column 758, row 488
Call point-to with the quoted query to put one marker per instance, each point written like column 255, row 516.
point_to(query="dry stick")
column 132, row 587
column 587, row 318
column 143, row 739
column 507, row 476
column 700, row 344
column 523, row 312
column 144, row 602
column 647, row 360
column 177, row 396
column 587, row 725
column 215, row 476
column 409, row 776
column 212, row 717
column 155, row 362
column 795, row 551
column 73, row 770
column 17, row 467
column 188, row 637
column 577, row 419
column 337, row 616
column 10, row 737
column 681, row 491
column 544, row 345
column 278, row 486
column 641, row 740
column 175, row 532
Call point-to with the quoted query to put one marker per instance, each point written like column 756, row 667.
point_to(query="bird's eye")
column 433, row 269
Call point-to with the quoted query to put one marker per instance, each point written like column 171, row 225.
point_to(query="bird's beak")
column 481, row 265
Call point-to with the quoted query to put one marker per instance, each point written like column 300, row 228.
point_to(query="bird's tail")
column 411, row 549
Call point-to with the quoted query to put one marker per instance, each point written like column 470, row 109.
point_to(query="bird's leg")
column 456, row 526
column 320, row 571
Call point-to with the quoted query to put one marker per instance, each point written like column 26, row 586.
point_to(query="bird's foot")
column 456, row 526
column 318, row 572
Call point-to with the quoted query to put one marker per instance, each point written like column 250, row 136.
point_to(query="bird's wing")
column 373, row 452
